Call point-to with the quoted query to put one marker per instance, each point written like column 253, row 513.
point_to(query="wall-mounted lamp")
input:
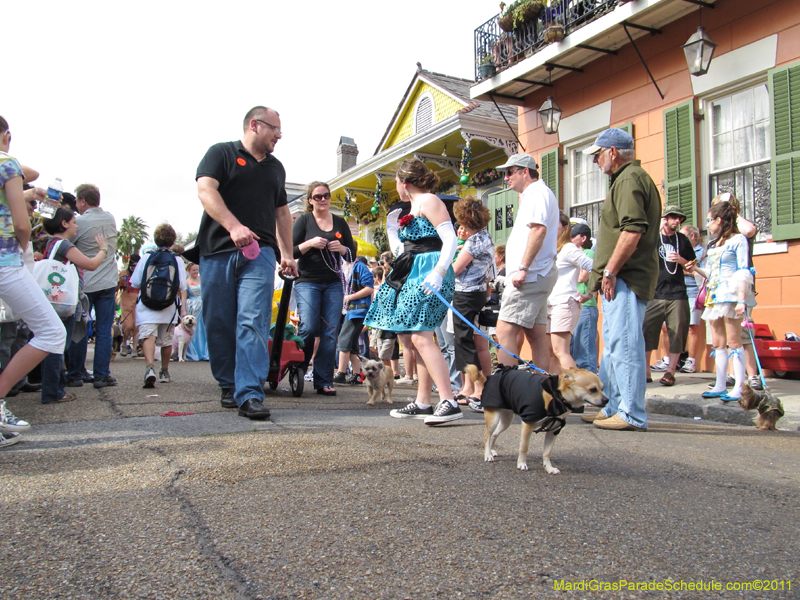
column 550, row 112
column 699, row 49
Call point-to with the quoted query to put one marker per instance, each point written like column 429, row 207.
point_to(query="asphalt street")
column 105, row 498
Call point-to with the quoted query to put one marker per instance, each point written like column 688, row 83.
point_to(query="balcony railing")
column 504, row 49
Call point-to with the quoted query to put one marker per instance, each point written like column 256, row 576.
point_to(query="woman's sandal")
column 461, row 399
column 668, row 379
column 326, row 391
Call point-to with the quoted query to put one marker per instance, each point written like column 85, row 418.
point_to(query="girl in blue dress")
column 404, row 304
column 729, row 285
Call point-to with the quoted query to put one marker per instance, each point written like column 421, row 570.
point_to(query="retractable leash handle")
column 490, row 340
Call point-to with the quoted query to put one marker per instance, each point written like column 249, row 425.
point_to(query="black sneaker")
column 106, row 381
column 354, row 379
column 75, row 383
column 340, row 378
column 411, row 411
column 226, row 400
column 444, row 413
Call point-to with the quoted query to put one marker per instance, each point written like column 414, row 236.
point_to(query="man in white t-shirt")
column 531, row 269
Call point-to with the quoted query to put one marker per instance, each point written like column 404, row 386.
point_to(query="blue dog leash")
column 491, row 341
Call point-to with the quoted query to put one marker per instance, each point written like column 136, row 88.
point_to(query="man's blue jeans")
column 320, row 308
column 54, row 379
column 583, row 345
column 103, row 303
column 237, row 307
column 622, row 368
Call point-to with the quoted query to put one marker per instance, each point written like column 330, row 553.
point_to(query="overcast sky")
column 129, row 97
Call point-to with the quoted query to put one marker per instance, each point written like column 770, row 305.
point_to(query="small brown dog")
column 768, row 406
column 378, row 380
column 541, row 402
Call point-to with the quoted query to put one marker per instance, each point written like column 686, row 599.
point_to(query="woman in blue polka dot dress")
column 403, row 304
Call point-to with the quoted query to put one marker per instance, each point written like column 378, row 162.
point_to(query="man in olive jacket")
column 625, row 271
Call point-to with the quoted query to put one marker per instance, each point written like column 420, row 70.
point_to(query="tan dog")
column 542, row 403
column 378, row 380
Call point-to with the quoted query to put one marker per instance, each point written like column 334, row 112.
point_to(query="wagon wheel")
column 781, row 374
column 296, row 382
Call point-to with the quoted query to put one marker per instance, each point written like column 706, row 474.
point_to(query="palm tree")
column 184, row 240
column 131, row 237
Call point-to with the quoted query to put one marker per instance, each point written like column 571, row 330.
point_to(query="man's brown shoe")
column 592, row 417
column 617, row 423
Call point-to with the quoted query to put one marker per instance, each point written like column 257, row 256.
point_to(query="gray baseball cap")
column 525, row 161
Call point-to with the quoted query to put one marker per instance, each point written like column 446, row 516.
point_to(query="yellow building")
column 435, row 121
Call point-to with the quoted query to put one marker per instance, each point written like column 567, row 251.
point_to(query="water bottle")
column 49, row 206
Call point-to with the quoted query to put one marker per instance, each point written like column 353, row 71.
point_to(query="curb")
column 688, row 407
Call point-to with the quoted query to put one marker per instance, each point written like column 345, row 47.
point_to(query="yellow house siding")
column 445, row 106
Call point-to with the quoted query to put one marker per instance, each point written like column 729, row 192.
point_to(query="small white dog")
column 182, row 336
column 378, row 380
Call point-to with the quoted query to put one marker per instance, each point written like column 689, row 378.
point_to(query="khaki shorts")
column 386, row 348
column 162, row 331
column 675, row 313
column 563, row 318
column 527, row 306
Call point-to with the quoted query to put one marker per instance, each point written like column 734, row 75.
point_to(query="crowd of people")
column 443, row 295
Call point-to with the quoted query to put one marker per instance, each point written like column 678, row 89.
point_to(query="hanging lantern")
column 699, row 50
column 550, row 114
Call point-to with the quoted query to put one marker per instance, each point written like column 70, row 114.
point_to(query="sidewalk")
column 684, row 400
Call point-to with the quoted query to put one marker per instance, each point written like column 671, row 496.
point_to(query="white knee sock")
column 721, row 361
column 738, row 372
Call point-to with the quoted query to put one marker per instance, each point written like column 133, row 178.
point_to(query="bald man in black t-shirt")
column 245, row 226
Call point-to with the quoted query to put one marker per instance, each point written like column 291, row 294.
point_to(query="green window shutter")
column 502, row 211
column 680, row 158
column 784, row 89
column 549, row 167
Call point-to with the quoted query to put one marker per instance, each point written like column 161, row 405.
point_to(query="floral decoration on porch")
column 486, row 177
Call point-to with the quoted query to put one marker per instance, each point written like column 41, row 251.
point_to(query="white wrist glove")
column 435, row 280
column 392, row 226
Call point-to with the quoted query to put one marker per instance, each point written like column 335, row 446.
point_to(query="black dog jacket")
column 521, row 392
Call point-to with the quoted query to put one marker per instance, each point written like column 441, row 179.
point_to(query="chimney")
column 346, row 155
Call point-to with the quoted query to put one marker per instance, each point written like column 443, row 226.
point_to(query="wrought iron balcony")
column 505, row 48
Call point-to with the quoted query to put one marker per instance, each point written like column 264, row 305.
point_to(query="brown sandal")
column 668, row 379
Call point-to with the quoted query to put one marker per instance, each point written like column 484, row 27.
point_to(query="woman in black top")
column 321, row 242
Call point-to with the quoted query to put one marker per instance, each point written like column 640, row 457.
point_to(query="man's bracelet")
column 104, row 250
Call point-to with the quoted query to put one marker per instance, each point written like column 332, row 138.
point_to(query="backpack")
column 160, row 280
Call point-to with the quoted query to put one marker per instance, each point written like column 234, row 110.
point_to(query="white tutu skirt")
column 719, row 310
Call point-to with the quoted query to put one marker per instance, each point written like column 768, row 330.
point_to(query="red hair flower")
column 338, row 235
column 406, row 221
